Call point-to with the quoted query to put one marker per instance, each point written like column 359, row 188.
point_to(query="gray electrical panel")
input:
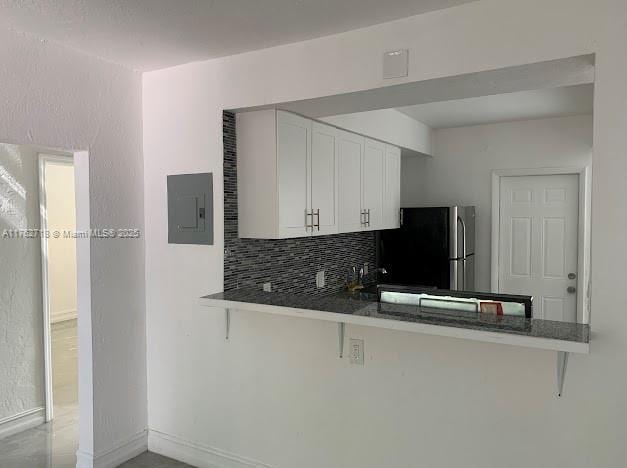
column 190, row 209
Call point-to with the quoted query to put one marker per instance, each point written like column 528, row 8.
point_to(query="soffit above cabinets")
column 509, row 107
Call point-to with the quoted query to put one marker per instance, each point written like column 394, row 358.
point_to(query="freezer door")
column 462, row 274
column 467, row 214
column 469, row 273
column 455, row 270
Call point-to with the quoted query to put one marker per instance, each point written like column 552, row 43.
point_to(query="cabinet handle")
column 317, row 225
column 362, row 216
column 368, row 219
column 307, row 226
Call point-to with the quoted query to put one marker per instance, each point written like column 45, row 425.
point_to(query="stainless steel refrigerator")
column 434, row 247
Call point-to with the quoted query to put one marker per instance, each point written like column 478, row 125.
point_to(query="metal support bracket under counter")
column 561, row 337
column 562, row 361
column 341, row 330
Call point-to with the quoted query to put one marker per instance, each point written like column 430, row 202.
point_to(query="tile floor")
column 54, row 445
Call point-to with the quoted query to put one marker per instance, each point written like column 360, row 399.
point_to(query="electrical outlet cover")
column 356, row 351
column 320, row 279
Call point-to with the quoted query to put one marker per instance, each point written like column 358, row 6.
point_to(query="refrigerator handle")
column 463, row 257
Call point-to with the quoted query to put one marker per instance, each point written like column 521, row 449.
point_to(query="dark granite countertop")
column 367, row 305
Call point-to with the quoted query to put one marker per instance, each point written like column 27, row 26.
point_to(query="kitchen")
column 330, row 218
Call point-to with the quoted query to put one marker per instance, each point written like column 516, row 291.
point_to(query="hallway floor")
column 54, row 444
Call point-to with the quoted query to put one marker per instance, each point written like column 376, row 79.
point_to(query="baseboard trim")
column 22, row 421
column 63, row 316
column 196, row 454
column 116, row 455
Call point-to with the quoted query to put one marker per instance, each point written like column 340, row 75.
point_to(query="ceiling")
column 151, row 34
column 522, row 105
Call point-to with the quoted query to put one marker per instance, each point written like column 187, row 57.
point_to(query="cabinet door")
column 392, row 208
column 373, row 181
column 349, row 152
column 293, row 160
column 323, row 179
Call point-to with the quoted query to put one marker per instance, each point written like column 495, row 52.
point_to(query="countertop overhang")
column 343, row 308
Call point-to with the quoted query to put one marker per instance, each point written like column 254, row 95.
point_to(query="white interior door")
column 323, row 179
column 293, row 147
column 349, row 153
column 538, row 230
column 373, row 177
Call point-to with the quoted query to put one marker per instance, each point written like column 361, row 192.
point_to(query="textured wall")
column 21, row 316
column 289, row 264
column 56, row 97
column 276, row 391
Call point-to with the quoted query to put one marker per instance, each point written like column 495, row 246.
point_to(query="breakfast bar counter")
column 365, row 310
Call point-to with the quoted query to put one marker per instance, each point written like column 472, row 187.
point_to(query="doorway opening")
column 59, row 279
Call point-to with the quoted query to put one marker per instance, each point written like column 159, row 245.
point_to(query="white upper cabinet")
column 294, row 158
column 298, row 177
column 323, row 179
column 350, row 149
column 373, row 170
column 392, row 188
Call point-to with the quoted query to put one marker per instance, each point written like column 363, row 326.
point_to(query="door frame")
column 43, row 158
column 583, row 234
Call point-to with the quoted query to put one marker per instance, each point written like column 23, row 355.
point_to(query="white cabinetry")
column 350, row 149
column 373, row 170
column 298, row 177
column 392, row 188
column 286, row 176
column 323, row 179
column 293, row 136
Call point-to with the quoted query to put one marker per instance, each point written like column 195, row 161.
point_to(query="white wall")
column 388, row 125
column 55, row 97
column 461, row 171
column 21, row 316
column 276, row 391
column 61, row 217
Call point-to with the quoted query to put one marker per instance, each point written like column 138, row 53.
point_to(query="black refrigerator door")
column 418, row 252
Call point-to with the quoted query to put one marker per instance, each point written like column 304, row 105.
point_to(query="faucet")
column 354, row 280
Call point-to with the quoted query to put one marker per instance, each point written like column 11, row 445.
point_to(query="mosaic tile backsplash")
column 289, row 264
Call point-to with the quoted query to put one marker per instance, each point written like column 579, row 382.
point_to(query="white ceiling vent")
column 395, row 63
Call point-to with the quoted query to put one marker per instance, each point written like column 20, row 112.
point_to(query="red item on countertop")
column 490, row 307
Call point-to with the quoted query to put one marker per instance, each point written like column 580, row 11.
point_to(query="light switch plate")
column 356, row 351
column 395, row 64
